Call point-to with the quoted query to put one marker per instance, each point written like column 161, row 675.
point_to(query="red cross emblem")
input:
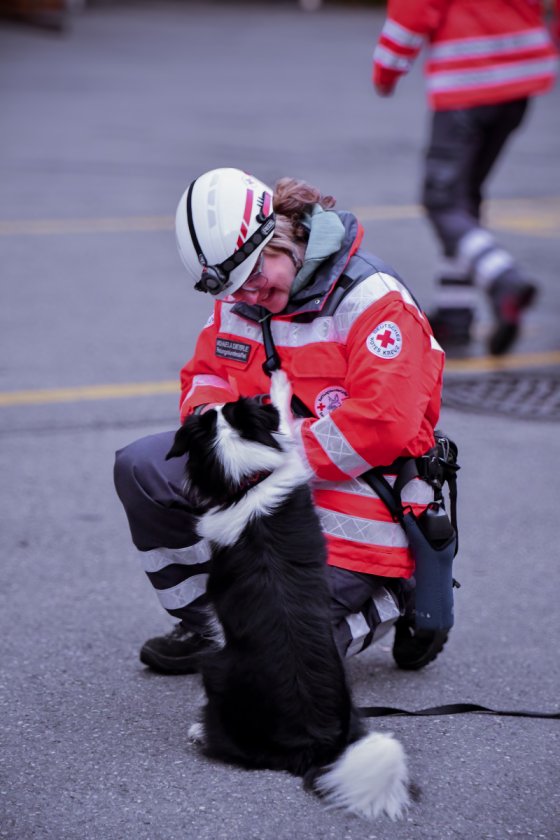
column 385, row 339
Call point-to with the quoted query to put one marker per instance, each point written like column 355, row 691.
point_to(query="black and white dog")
column 277, row 695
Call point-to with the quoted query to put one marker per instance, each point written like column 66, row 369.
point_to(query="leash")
column 453, row 709
column 385, row 492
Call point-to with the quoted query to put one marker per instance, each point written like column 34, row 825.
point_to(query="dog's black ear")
column 180, row 444
column 195, row 428
column 183, row 437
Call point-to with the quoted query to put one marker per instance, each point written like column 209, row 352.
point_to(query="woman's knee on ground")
column 141, row 472
column 128, row 470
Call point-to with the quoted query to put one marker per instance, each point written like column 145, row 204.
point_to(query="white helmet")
column 224, row 219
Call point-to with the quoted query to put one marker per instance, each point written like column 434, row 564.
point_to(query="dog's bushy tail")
column 369, row 778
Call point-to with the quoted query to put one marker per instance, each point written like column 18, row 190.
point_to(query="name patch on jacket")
column 227, row 348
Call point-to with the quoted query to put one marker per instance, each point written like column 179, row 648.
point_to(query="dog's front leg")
column 281, row 396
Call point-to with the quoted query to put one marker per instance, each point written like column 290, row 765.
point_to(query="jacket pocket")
column 320, row 361
column 319, row 376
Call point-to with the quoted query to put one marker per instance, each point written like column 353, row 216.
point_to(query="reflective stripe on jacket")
column 478, row 52
column 368, row 369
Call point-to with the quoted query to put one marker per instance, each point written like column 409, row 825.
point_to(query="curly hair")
column 292, row 200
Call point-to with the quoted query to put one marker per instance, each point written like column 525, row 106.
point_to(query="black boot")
column 413, row 649
column 178, row 652
column 509, row 297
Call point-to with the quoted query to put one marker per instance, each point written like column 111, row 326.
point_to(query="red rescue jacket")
column 361, row 355
column 478, row 51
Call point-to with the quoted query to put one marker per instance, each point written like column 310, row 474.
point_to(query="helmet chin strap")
column 215, row 278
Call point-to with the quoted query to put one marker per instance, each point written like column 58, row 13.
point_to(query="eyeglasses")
column 257, row 272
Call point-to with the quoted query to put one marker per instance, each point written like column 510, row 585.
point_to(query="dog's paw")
column 196, row 733
column 280, row 389
column 280, row 397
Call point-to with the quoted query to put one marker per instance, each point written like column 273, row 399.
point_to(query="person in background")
column 361, row 359
column 485, row 61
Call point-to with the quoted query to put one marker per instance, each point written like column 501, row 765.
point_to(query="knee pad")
column 444, row 177
column 440, row 185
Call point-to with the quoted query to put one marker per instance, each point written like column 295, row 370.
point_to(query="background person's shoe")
column 508, row 298
column 178, row 652
column 414, row 649
column 451, row 326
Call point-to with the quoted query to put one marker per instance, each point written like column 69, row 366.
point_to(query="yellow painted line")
column 532, row 216
column 496, row 363
column 388, row 212
column 89, row 392
column 41, row 227
column 171, row 386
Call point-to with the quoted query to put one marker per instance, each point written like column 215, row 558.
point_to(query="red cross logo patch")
column 385, row 341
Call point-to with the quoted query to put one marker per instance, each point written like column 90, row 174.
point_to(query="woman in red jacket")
column 484, row 62
column 289, row 276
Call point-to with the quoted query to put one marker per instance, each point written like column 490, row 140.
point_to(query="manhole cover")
column 534, row 396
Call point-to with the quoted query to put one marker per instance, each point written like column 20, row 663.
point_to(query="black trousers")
column 176, row 561
column 463, row 148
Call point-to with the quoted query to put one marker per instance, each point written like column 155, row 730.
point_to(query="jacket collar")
column 313, row 296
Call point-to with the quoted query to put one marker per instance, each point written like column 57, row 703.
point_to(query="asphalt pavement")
column 102, row 128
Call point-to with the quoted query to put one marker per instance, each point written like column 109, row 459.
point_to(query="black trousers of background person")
column 463, row 148
column 162, row 527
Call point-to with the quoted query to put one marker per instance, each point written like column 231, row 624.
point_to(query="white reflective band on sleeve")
column 332, row 441
column 502, row 74
column 359, row 629
column 366, row 293
column 489, row 45
column 207, row 380
column 416, row 492
column 491, row 265
column 159, row 558
column 387, row 58
column 364, row 531
column 400, row 35
column 182, row 594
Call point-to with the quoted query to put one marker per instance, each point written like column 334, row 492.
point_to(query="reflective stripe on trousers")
column 363, row 606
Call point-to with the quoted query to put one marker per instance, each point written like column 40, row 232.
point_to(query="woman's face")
column 269, row 283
